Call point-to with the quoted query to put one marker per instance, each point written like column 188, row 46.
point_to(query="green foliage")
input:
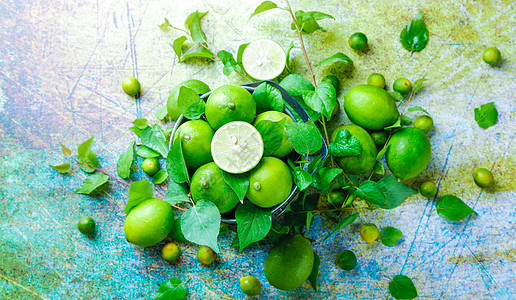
column 238, row 182
column 486, row 115
column 342, row 224
column 161, row 113
column 173, row 289
column 160, row 177
column 337, row 57
column 418, row 108
column 321, row 100
column 196, row 32
column 315, row 272
column 253, row 223
column 177, row 193
column 139, row 191
column 307, row 21
column 414, row 36
column 92, row 183
column 176, row 166
column 452, row 208
column 190, row 104
column 264, row 6
column 62, row 168
column 396, row 124
column 272, row 135
column 165, row 25
column 230, row 64
column 390, row 236
column 401, row 287
column 302, row 178
column 202, row 53
column 396, row 95
column 154, row 138
column 177, row 45
column 287, row 63
column 305, row 137
column 345, row 144
column 379, row 168
column 294, row 84
column 267, row 98
column 387, row 193
column 325, row 177
column 146, row 152
column 86, row 156
column 418, row 85
column 65, row 150
column 201, row 224
column 123, row 166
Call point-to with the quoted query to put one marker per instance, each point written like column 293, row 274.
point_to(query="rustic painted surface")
column 61, row 66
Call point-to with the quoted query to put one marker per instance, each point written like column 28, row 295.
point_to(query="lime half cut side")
column 237, row 147
column 264, row 59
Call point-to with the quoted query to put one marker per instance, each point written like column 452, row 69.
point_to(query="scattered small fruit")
column 86, row 225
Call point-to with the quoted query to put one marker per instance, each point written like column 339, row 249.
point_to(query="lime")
column 237, row 147
column 424, row 123
column 170, row 252
column 492, row 56
column 358, row 41
column 357, row 164
column 337, row 197
column 369, row 232
column 172, row 105
column 376, row 80
column 289, row 263
column 250, row 285
column 208, row 183
column 131, row 86
column 346, row 260
column 196, row 137
column 408, row 153
column 286, row 146
column 264, row 59
column 402, row 85
column 428, row 189
column 483, row 177
column 229, row 103
column 149, row 223
column 205, row 255
column 370, row 107
column 86, row 225
column 150, row 166
column 270, row 183
column 336, row 109
column 380, row 137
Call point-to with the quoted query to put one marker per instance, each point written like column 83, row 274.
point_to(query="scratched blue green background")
column 61, row 65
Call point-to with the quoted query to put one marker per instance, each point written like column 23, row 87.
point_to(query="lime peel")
column 264, row 59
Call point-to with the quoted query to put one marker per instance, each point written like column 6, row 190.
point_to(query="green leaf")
column 302, row 178
column 272, row 135
column 164, row 26
column 401, row 287
column 160, row 177
column 62, row 168
column 414, row 36
column 173, row 289
column 230, row 64
column 294, row 84
column 486, row 115
column 154, row 138
column 190, row 18
column 418, row 108
column 315, row 272
column 287, row 63
column 123, row 166
column 201, row 224
column 404, row 120
column 395, row 192
column 176, row 166
column 452, row 208
column 65, row 150
column 240, row 52
column 345, row 144
column 176, row 234
column 139, row 126
column 321, row 100
column 146, row 152
column 196, row 32
column 203, row 53
column 309, row 218
column 177, row 193
column 161, row 113
column 337, row 57
column 381, row 153
column 86, row 156
column 397, row 96
column 378, row 168
column 343, row 223
column 238, row 182
column 397, row 124
column 327, row 175
column 177, row 45
column 418, row 85
column 139, row 191
column 371, row 192
column 264, row 6
column 390, row 236
column 190, row 104
column 253, row 223
column 92, row 183
column 267, row 98
column 307, row 21
column 311, row 113
column 305, row 137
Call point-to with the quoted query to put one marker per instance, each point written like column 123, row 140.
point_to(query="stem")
column 102, row 171
column 327, row 139
column 406, row 103
column 323, row 210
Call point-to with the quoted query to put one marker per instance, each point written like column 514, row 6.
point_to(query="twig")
column 327, row 139
column 102, row 171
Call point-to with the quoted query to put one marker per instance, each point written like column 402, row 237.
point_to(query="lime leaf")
column 253, row 223
column 161, row 113
column 154, row 138
column 176, row 234
column 176, row 166
column 86, row 156
column 62, row 168
column 264, row 6
column 230, row 64
column 404, row 120
column 418, row 85
column 267, row 98
column 401, row 287
column 321, row 100
column 452, row 208
column 343, row 223
column 160, row 177
column 123, row 166
column 345, row 145
column 414, row 36
column 418, row 108
column 139, row 191
column 190, row 17
column 238, row 182
column 395, row 192
column 190, row 104
column 390, row 236
column 305, row 137
column 302, row 178
column 146, row 152
column 139, row 126
column 203, row 53
column 315, row 272
column 486, row 115
column 164, row 26
column 173, row 289
column 371, row 192
column 177, row 193
column 92, row 183
column 327, row 175
column 272, row 135
column 396, row 124
column 196, row 32
column 309, row 218
column 287, row 63
column 307, row 21
column 65, row 150
column 381, row 153
column 396, row 95
column 337, row 57
column 201, row 224
column 177, row 45
column 379, row 168
column 294, row 84
column 240, row 52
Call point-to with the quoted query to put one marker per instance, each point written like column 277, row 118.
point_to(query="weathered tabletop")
column 61, row 65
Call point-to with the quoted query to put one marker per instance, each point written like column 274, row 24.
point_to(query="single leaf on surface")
column 345, row 144
column 165, row 25
column 287, row 63
column 154, row 138
column 196, row 32
column 396, row 124
column 321, row 100
column 302, row 178
column 337, row 57
column 315, row 272
column 264, row 6
column 272, row 135
column 190, row 17
column 161, row 113
column 160, row 177
column 176, row 194
column 418, row 85
column 139, row 191
column 176, row 166
column 253, row 223
column 397, row 96
column 486, row 115
column 267, row 98
column 239, row 183
column 177, row 45
column 343, row 223
column 390, row 236
column 62, row 168
column 173, row 289
column 307, row 21
column 240, row 52
column 294, row 84
column 452, row 208
column 202, row 53
column 190, row 104
column 229, row 62
column 379, row 168
column 395, row 192
column 418, row 108
column 414, row 36
column 402, row 287
column 305, row 137
column 86, row 156
column 201, row 224
column 123, row 166
column 92, row 183
column 65, row 150
column 146, row 152
column 327, row 175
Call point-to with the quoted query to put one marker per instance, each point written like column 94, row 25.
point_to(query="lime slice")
column 237, row 147
column 264, row 59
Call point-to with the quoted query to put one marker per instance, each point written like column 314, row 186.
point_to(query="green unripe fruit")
column 250, row 286
column 346, row 260
column 131, row 86
column 369, row 232
column 428, row 189
column 205, row 255
column 86, row 225
column 358, row 41
column 376, row 80
column 424, row 123
column 170, row 252
column 380, row 137
column 333, row 80
column 402, row 85
column 492, row 56
column 150, row 166
column 483, row 177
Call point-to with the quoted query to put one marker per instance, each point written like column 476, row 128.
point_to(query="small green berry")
column 250, row 286
column 483, row 177
column 358, row 41
column 369, row 232
column 346, row 260
column 424, row 123
column 131, row 86
column 86, row 225
column 170, row 252
column 337, row 197
column 402, row 85
column 150, row 166
column 428, row 189
column 205, row 255
column 376, row 79
column 492, row 56
column 380, row 137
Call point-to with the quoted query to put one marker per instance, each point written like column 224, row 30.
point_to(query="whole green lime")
column 336, row 109
column 131, row 86
column 196, row 136
column 205, row 255
column 286, row 146
column 270, row 182
column 428, row 189
column 380, row 137
column 289, row 263
column 424, row 123
column 346, row 260
column 229, row 103
column 358, row 41
column 337, row 197
column 149, row 223
column 376, row 79
column 250, row 285
column 402, row 85
column 369, row 232
column 86, row 225
column 170, row 252
column 483, row 177
column 208, row 184
column 408, row 153
column 357, row 164
column 150, row 166
column 492, row 56
column 172, row 105
column 370, row 107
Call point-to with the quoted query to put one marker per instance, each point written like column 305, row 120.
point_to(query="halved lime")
column 237, row 147
column 264, row 59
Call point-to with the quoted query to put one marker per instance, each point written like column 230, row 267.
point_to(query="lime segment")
column 264, row 59
column 237, row 147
